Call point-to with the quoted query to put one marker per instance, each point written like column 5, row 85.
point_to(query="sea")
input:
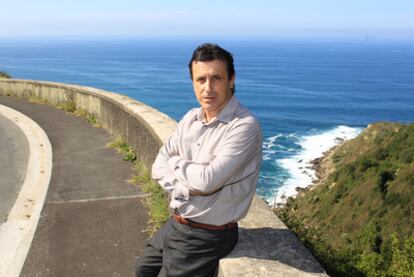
column 309, row 95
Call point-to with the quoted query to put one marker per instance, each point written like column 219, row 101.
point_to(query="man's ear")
column 232, row 80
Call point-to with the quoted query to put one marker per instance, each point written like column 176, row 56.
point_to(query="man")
column 210, row 167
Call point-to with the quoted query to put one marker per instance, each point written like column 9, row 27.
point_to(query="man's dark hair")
column 209, row 52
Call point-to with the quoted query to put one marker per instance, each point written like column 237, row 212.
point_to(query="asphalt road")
column 92, row 222
column 14, row 154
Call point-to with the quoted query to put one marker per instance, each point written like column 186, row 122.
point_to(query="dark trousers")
column 180, row 250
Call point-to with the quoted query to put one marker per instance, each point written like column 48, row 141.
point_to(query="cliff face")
column 360, row 219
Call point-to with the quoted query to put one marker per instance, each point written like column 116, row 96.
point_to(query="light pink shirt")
column 221, row 158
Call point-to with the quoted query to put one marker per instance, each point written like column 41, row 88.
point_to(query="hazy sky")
column 265, row 18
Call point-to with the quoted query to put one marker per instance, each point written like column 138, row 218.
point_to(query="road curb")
column 16, row 233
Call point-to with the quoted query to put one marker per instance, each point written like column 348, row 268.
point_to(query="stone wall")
column 266, row 247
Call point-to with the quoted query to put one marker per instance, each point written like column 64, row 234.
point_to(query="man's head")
column 212, row 72
column 209, row 52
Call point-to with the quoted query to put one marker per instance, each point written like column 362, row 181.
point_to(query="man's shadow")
column 275, row 244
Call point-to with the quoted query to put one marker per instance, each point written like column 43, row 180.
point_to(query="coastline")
column 296, row 171
column 322, row 166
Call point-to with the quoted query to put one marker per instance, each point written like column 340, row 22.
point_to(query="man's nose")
column 209, row 85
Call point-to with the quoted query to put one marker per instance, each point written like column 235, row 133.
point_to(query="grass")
column 156, row 201
column 67, row 106
column 90, row 117
column 38, row 100
column 70, row 107
column 126, row 151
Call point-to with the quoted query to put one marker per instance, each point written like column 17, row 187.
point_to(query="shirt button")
column 198, row 144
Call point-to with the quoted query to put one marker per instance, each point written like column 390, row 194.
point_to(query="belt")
column 194, row 224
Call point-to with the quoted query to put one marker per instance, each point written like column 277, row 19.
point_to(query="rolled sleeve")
column 161, row 171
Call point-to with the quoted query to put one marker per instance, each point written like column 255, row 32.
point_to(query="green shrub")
column 383, row 179
column 407, row 156
column 365, row 163
column 402, row 263
column 381, row 154
column 371, row 264
column 393, row 198
column 4, row 75
column 406, row 175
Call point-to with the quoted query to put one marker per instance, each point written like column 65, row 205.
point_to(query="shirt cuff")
column 181, row 192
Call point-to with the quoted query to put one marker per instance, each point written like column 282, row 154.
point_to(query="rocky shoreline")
column 323, row 167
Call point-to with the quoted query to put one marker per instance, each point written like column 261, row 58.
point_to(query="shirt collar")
column 226, row 114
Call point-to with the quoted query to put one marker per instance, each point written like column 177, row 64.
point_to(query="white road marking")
column 16, row 233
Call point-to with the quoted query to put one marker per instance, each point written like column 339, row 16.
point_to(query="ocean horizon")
column 308, row 95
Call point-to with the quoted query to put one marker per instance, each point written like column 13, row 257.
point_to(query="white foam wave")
column 299, row 165
column 270, row 142
column 268, row 147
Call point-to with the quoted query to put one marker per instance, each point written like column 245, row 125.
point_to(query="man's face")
column 212, row 86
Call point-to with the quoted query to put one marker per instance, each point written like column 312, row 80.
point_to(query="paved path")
column 14, row 153
column 93, row 222
column 17, row 230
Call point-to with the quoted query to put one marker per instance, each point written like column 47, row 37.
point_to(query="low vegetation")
column 4, row 75
column 126, row 151
column 360, row 221
column 156, row 201
column 70, row 107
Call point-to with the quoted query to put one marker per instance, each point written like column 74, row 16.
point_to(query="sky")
column 241, row 18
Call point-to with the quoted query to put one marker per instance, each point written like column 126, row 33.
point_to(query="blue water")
column 296, row 88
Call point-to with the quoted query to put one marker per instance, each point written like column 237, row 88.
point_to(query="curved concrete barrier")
column 141, row 126
column 266, row 247
column 16, row 233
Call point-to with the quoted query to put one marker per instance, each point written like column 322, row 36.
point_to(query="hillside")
column 359, row 221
